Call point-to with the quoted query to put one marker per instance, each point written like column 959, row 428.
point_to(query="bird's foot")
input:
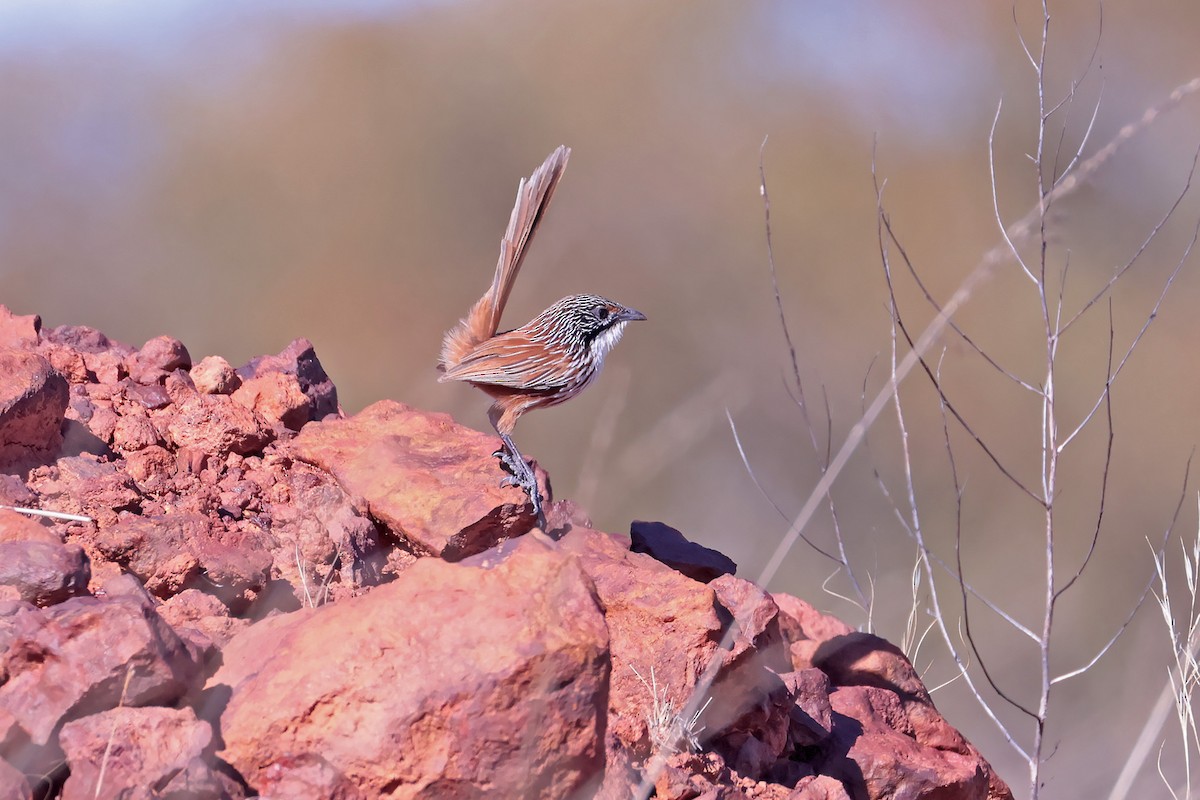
column 520, row 473
column 510, row 464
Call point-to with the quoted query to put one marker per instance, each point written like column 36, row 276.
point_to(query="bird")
column 546, row 361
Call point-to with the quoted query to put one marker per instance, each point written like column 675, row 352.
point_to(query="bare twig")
column 798, row 396
column 37, row 512
column 737, row 440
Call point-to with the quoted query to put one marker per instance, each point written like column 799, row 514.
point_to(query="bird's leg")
column 521, row 474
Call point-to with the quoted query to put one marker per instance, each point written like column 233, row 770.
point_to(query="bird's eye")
column 601, row 312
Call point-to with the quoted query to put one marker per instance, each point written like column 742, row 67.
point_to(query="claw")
column 520, row 473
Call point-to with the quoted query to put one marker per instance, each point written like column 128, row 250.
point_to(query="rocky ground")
column 259, row 597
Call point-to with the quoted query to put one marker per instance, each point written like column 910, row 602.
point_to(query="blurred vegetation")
column 238, row 178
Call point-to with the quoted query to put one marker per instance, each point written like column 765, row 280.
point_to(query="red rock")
column 819, row 787
column 158, row 357
column 44, row 573
column 683, row 778
column 756, row 614
column 450, row 681
column 150, row 397
column 620, row 776
column 69, row 363
column 811, row 716
column 214, row 424
column 446, row 681
column 134, row 432
column 18, row 331
column 299, row 359
column 214, row 375
column 432, row 482
column 203, row 613
column 327, row 545
column 669, row 546
column 178, row 551
column 179, row 386
column 33, row 400
column 885, row 762
column 863, row 659
column 14, row 492
column 77, row 658
column 139, row 754
column 103, row 358
column 657, row 618
column 156, row 552
column 102, row 422
column 15, row 527
column 806, row 628
column 750, row 710
column 84, row 485
column 84, row 339
column 277, row 397
column 799, row 620
column 896, row 743
column 151, row 468
column 307, row 775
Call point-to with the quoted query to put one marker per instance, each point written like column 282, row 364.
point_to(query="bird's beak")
column 630, row 315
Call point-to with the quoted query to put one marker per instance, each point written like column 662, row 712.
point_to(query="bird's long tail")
column 483, row 320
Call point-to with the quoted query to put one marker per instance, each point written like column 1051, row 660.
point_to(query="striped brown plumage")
column 546, row 361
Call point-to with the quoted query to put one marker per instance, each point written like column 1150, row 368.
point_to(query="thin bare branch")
column 1087, row 135
column 37, row 512
column 966, row 426
column 947, row 568
column 1108, row 645
column 1009, row 238
column 1107, row 461
column 939, row 615
column 1021, row 38
column 966, row 618
column 783, row 323
column 1141, row 249
column 929, row 298
column 737, row 440
column 1069, row 100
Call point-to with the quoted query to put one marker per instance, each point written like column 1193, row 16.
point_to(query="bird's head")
column 597, row 321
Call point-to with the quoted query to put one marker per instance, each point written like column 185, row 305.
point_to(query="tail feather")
column 483, row 320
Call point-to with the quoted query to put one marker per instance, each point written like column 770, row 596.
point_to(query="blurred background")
column 238, row 175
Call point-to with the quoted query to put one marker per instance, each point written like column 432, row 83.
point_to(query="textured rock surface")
column 158, row 358
column 149, row 753
column 44, row 573
column 33, row 399
column 175, row 552
column 264, row 562
column 434, row 484
column 83, row 656
column 298, row 359
column 490, row 680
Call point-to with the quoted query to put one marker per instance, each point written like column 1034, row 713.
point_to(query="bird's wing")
column 512, row 360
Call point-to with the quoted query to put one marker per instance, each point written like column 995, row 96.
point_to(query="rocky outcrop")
column 33, row 398
column 259, row 596
column 486, row 681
